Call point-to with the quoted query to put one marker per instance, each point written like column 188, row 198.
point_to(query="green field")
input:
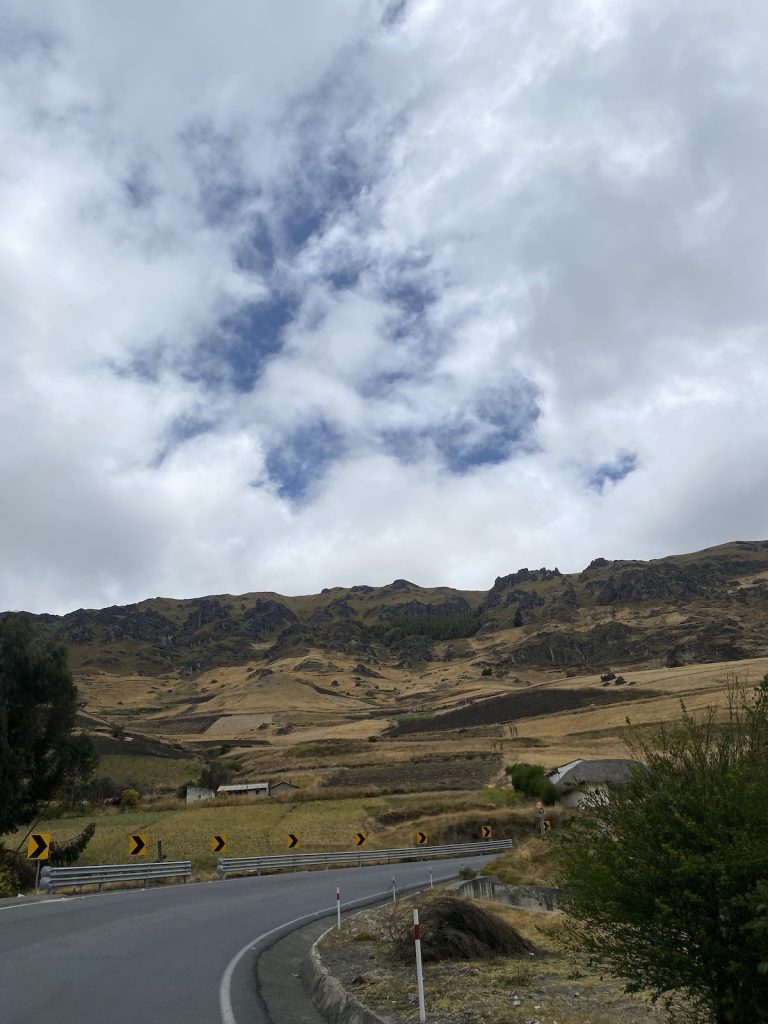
column 148, row 772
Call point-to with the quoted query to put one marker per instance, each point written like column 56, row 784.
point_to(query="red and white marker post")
column 338, row 908
column 419, row 974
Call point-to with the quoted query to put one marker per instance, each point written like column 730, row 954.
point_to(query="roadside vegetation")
column 668, row 880
column 42, row 758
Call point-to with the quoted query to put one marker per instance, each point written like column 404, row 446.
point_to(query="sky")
column 326, row 292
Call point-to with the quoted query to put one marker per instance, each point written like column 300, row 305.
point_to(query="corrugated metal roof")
column 243, row 787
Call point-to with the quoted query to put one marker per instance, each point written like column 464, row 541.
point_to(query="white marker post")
column 394, row 892
column 419, row 974
column 338, row 908
column 431, row 883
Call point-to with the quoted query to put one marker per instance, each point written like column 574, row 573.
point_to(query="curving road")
column 174, row 954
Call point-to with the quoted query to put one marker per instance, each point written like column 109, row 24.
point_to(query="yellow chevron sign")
column 137, row 846
column 38, row 846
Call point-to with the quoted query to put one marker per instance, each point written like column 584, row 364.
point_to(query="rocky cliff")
column 706, row 606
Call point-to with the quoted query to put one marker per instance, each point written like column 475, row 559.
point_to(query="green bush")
column 530, row 780
column 9, row 886
column 129, row 798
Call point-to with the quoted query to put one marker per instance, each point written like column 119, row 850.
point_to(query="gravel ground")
column 553, row 987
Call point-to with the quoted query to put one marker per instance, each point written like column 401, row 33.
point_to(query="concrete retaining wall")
column 488, row 887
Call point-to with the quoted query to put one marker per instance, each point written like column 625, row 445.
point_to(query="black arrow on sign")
column 487, row 831
column 422, row 839
column 360, row 838
column 40, row 846
column 138, row 845
column 293, row 840
column 219, row 842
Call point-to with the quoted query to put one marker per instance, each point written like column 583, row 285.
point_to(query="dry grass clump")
column 457, row 929
column 529, row 863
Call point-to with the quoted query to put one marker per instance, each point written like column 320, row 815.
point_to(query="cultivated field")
column 261, row 827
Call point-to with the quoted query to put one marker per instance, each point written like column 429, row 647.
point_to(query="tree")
column 215, row 774
column 668, row 878
column 38, row 752
column 518, row 619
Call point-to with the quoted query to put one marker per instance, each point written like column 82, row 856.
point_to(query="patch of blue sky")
column 138, row 188
column 224, row 190
column 345, row 276
column 183, row 428
column 331, row 166
column 613, row 472
column 255, row 250
column 146, row 364
column 236, row 352
column 394, row 12
column 324, row 184
column 411, row 296
column 494, row 428
column 383, row 385
column 18, row 39
column 303, row 457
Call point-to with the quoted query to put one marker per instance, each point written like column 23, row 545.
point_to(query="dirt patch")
column 137, row 746
column 458, row 929
column 472, row 771
column 511, row 707
column 179, row 724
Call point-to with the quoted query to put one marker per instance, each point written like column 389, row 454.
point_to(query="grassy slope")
column 262, row 827
column 147, row 772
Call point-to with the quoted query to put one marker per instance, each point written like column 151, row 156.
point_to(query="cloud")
column 390, row 290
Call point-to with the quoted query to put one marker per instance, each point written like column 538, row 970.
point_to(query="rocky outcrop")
column 711, row 605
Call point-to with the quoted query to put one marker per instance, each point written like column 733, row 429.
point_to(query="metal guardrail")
column 103, row 874
column 298, row 861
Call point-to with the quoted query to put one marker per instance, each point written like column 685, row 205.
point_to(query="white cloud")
column 425, row 222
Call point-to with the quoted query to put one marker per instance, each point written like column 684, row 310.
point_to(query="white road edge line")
column 225, row 985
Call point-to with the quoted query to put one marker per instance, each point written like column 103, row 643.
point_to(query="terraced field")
column 455, row 772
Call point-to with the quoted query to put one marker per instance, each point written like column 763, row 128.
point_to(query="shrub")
column 668, row 877
column 530, row 780
column 8, row 883
column 129, row 798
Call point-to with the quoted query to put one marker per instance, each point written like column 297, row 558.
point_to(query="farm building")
column 281, row 787
column 195, row 793
column 249, row 790
column 580, row 781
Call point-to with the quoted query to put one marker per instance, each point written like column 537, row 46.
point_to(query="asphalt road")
column 180, row 953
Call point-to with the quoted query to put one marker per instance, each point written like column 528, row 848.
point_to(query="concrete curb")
column 329, row 996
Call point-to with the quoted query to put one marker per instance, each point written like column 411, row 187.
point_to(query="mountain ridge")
column 708, row 605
